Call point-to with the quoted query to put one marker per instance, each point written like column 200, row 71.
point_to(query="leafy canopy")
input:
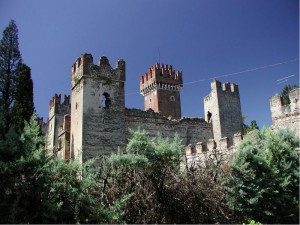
column 263, row 184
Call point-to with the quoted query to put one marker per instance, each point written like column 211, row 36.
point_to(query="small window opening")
column 172, row 99
column 105, row 101
column 209, row 114
column 150, row 100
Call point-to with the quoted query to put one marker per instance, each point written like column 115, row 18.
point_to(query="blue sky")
column 202, row 38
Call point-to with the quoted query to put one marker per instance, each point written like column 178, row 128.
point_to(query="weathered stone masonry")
column 286, row 116
column 96, row 121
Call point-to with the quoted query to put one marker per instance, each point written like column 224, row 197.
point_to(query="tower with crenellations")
column 97, row 111
column 161, row 87
column 222, row 109
column 286, row 116
column 57, row 112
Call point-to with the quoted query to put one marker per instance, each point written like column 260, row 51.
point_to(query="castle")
column 94, row 120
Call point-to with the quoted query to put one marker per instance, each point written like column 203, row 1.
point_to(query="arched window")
column 172, row 99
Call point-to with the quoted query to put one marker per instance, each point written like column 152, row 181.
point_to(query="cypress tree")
column 285, row 93
column 10, row 57
column 23, row 107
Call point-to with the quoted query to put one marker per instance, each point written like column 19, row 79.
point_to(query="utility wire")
column 244, row 71
column 232, row 74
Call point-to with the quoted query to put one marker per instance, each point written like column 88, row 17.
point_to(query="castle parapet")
column 58, row 107
column 56, row 100
column 278, row 109
column 162, row 77
column 211, row 145
column 84, row 66
column 237, row 138
column 225, row 87
column 223, row 144
column 200, row 148
column 190, row 149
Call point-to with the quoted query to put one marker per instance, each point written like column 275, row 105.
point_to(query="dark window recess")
column 209, row 114
column 106, row 101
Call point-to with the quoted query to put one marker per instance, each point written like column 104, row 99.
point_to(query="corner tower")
column 98, row 102
column 160, row 87
column 222, row 108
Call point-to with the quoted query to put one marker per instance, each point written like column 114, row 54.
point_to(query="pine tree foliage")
column 263, row 182
column 10, row 57
column 36, row 188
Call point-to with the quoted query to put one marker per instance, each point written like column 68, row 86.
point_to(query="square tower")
column 97, row 107
column 161, row 87
column 222, row 108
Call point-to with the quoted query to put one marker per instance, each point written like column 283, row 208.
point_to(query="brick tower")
column 160, row 87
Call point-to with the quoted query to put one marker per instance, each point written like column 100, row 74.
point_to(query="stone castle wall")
column 286, row 116
column 217, row 152
column 107, row 130
column 190, row 130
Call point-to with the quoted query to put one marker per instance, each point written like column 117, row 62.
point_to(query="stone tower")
column 57, row 112
column 160, row 87
column 222, row 108
column 286, row 116
column 97, row 108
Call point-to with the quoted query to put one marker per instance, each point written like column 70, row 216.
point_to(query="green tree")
column 40, row 189
column 263, row 180
column 23, row 107
column 10, row 57
column 149, row 173
column 247, row 128
column 285, row 93
column 254, row 125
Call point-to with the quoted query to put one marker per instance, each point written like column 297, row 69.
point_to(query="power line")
column 244, row 71
column 284, row 78
column 236, row 73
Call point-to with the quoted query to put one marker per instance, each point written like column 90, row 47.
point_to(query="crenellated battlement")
column 161, row 76
column 194, row 151
column 58, row 107
column 211, row 151
column 84, row 66
column 225, row 87
column 56, row 100
column 278, row 109
column 286, row 116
